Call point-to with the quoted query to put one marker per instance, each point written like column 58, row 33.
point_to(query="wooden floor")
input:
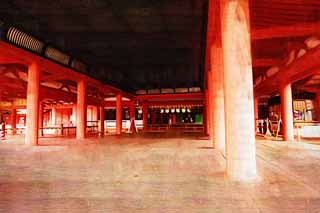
column 150, row 173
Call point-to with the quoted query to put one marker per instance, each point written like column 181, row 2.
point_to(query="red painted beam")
column 301, row 29
column 301, row 68
column 11, row 53
column 265, row 62
column 171, row 97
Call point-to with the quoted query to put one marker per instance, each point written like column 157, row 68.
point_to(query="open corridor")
column 150, row 173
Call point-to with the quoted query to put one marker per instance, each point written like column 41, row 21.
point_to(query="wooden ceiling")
column 267, row 14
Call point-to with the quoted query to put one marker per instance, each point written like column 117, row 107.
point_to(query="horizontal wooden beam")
column 171, row 97
column 301, row 68
column 265, row 62
column 10, row 53
column 297, row 30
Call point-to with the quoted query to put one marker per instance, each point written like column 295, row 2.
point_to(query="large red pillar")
column 74, row 115
column 256, row 111
column 119, row 114
column 132, row 110
column 53, row 116
column 95, row 116
column 286, row 113
column 207, row 115
column 14, row 121
column 81, row 110
column 101, row 120
column 214, row 65
column 40, row 119
column 145, row 116
column 31, row 136
column 238, row 88
column 317, row 105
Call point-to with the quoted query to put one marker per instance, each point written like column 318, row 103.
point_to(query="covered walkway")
column 153, row 174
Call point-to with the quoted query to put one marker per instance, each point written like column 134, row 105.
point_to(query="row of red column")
column 34, row 118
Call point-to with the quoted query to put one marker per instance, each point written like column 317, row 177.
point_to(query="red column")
column 317, row 105
column 53, row 116
column 14, row 121
column 95, row 113
column 238, row 88
column 81, row 110
column 256, row 111
column 31, row 136
column 214, row 67
column 119, row 114
column 208, row 106
column 145, row 115
column 205, row 113
column 286, row 113
column 74, row 115
column 101, row 120
column 218, row 120
column 132, row 117
column 40, row 119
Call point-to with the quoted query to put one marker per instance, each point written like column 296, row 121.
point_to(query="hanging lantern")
column 167, row 110
column 178, row 110
column 183, row 110
column 173, row 110
column 188, row 110
column 161, row 111
column 140, row 111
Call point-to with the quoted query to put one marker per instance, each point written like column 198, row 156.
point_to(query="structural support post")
column 286, row 112
column 214, row 66
column 101, row 126
column 74, row 115
column 317, row 104
column 206, row 113
column 53, row 116
column 31, row 136
column 256, row 111
column 218, row 122
column 238, row 88
column 95, row 114
column 119, row 114
column 145, row 116
column 132, row 117
column 40, row 119
column 81, row 110
column 14, row 121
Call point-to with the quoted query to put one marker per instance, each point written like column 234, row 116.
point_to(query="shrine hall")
column 160, row 106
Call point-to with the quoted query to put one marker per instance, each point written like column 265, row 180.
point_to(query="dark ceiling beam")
column 296, row 30
column 265, row 62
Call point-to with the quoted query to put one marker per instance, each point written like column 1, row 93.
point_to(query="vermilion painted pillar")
column 74, row 115
column 286, row 113
column 218, row 120
column 208, row 106
column 119, row 114
column 205, row 113
column 101, row 120
column 53, row 116
column 31, row 136
column 256, row 111
column 214, row 66
column 317, row 105
column 81, row 110
column 145, row 115
column 40, row 119
column 132, row 110
column 238, row 88
column 14, row 121
column 95, row 116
